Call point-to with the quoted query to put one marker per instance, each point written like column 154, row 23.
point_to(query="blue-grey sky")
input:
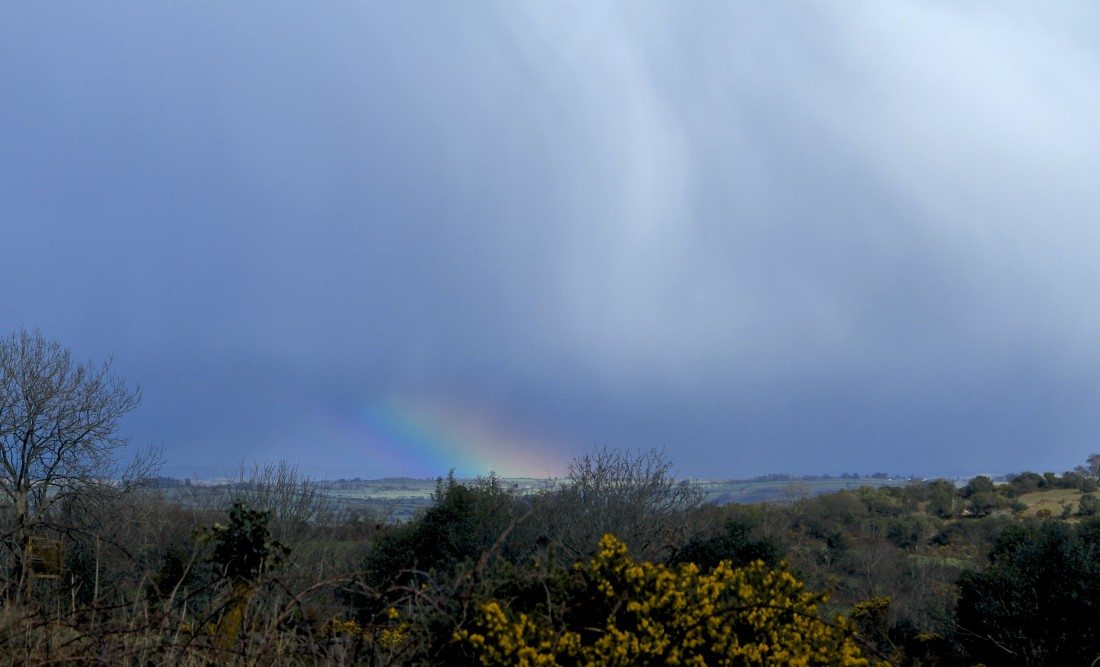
column 391, row 238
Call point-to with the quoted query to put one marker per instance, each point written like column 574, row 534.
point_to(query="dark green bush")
column 1037, row 600
column 243, row 548
column 734, row 543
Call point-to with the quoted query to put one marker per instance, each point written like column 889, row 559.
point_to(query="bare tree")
column 298, row 507
column 59, row 433
column 632, row 495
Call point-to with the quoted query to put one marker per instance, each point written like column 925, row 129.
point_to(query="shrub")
column 243, row 548
column 980, row 484
column 907, row 531
column 464, row 521
column 1036, row 601
column 1088, row 505
column 941, row 500
column 637, row 612
column 883, row 501
column 734, row 544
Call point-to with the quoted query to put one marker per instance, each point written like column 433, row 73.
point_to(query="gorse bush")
column 632, row 612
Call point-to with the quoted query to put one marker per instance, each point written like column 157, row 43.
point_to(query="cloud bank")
column 770, row 238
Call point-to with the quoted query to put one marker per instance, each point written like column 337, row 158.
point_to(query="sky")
column 394, row 238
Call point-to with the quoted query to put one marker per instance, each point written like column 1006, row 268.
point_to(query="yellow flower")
column 676, row 616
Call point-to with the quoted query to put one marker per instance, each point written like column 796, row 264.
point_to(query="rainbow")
column 419, row 436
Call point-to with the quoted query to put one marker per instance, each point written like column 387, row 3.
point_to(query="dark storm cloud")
column 766, row 238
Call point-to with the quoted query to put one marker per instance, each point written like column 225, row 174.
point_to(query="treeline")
column 783, row 477
column 621, row 565
column 613, row 567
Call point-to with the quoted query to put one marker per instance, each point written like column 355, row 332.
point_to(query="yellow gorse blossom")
column 389, row 638
column 659, row 614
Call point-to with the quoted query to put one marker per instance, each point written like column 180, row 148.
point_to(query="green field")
column 1051, row 500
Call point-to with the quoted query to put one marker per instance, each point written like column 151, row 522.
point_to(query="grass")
column 1051, row 500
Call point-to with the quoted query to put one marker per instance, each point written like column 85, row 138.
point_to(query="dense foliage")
column 628, row 612
column 1037, row 600
column 265, row 569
